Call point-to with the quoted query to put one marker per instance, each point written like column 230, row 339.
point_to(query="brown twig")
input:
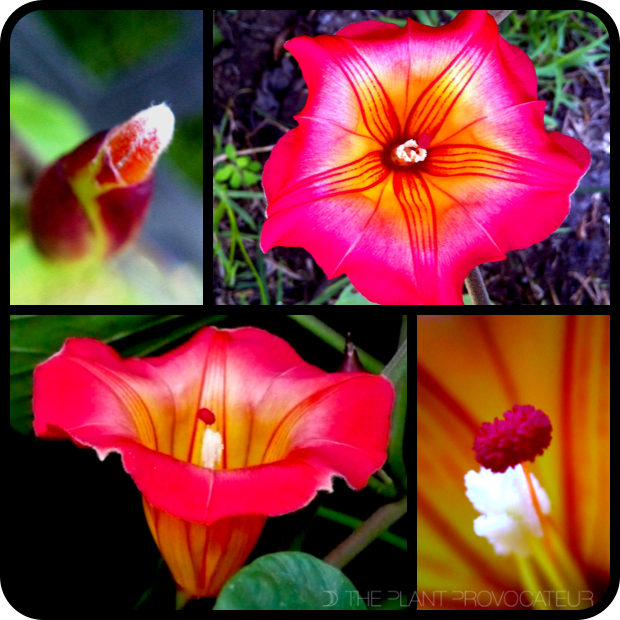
column 258, row 149
column 477, row 289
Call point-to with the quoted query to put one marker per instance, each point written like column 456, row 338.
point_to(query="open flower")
column 219, row 434
column 516, row 555
column 421, row 153
column 92, row 202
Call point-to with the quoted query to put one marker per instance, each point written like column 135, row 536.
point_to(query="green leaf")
column 217, row 33
column 249, row 178
column 231, row 151
column 243, row 162
column 350, row 297
column 136, row 280
column 289, row 580
column 235, row 180
column 223, row 174
column 47, row 125
column 37, row 281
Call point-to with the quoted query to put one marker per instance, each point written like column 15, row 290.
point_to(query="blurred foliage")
column 111, row 41
column 217, row 33
column 47, row 125
column 188, row 139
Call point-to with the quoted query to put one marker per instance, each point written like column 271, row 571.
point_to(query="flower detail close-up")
column 218, row 434
column 523, row 434
column 92, row 202
column 513, row 513
column 421, row 153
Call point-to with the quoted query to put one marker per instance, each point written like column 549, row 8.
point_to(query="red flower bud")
column 523, row 434
column 351, row 362
column 92, row 201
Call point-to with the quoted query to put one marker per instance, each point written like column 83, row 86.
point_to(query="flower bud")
column 92, row 201
column 351, row 362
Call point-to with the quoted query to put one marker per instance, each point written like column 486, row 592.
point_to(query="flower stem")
column 477, row 289
column 335, row 340
column 182, row 599
column 378, row 523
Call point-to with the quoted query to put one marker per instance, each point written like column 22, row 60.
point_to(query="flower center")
column 212, row 446
column 411, row 152
column 504, row 490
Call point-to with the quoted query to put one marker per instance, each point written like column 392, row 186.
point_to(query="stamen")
column 212, row 446
column 408, row 153
column 212, row 449
column 514, row 509
column 509, row 519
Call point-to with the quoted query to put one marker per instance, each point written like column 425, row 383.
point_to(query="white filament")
column 417, row 153
column 509, row 516
column 212, row 449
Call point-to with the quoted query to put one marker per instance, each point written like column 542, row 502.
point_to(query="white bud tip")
column 158, row 120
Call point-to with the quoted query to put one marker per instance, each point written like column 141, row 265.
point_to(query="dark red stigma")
column 206, row 415
column 424, row 141
column 523, row 434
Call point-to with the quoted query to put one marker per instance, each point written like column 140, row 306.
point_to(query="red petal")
column 288, row 427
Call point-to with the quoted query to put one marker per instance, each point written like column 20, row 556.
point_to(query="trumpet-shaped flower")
column 92, row 202
column 421, row 153
column 219, row 434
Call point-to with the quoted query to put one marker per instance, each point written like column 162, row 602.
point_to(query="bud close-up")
column 92, row 201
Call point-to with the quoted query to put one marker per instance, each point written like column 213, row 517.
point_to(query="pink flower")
column 421, row 153
column 219, row 434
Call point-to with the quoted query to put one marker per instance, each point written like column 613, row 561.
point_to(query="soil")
column 258, row 88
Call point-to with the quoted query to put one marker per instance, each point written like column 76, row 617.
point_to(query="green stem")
column 336, row 340
column 378, row 523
